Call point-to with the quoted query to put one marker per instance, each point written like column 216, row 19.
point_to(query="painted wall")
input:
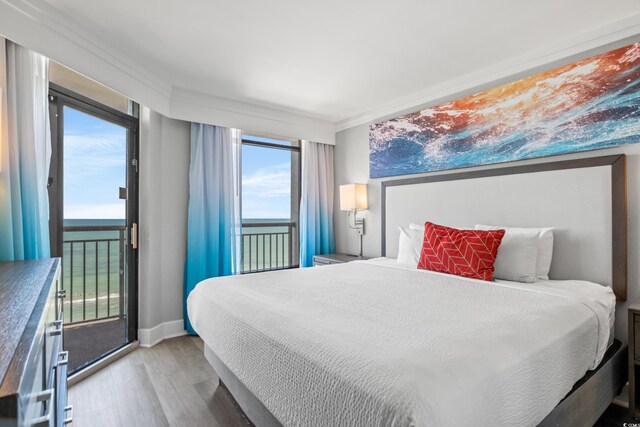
column 164, row 192
column 352, row 165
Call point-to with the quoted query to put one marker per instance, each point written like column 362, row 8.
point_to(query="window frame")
column 296, row 178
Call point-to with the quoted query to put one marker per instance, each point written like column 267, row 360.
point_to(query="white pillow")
column 517, row 257
column 421, row 227
column 415, row 226
column 409, row 246
column 545, row 245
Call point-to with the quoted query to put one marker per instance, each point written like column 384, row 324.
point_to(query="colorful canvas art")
column 587, row 105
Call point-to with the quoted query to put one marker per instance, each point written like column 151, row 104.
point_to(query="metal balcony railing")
column 93, row 264
column 268, row 246
column 93, row 272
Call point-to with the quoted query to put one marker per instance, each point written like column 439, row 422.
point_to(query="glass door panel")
column 94, row 211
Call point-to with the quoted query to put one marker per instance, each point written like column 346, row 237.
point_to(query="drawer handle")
column 57, row 324
column 63, row 358
column 45, row 420
column 44, row 395
column 41, row 421
column 69, row 418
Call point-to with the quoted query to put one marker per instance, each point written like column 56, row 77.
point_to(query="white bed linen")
column 375, row 343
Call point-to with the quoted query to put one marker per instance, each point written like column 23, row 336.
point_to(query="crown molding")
column 199, row 107
column 40, row 27
column 598, row 40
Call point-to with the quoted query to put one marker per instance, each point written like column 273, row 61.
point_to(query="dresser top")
column 21, row 292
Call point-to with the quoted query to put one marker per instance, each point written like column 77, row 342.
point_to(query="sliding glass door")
column 94, row 209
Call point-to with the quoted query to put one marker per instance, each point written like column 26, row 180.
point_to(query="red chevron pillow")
column 468, row 253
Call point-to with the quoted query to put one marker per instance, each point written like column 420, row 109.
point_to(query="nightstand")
column 334, row 259
column 634, row 360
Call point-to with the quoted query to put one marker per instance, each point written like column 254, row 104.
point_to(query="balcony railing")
column 268, row 246
column 93, row 272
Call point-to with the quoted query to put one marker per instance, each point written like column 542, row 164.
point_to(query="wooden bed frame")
column 592, row 394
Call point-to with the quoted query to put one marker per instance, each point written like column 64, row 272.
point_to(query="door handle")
column 134, row 235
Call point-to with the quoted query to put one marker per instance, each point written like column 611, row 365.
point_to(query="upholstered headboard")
column 585, row 200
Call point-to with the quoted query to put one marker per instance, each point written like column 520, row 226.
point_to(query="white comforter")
column 374, row 343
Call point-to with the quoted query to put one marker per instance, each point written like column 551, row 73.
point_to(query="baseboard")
column 161, row 332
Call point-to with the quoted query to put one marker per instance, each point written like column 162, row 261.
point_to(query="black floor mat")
column 88, row 342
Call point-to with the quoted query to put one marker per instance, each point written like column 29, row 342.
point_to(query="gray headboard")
column 584, row 199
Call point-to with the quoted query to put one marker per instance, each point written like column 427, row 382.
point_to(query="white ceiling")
column 331, row 59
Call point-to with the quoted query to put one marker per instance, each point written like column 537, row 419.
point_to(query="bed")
column 376, row 343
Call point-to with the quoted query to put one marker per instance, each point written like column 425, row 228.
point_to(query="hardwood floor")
column 170, row 384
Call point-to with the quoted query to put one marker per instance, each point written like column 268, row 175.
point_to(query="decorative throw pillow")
column 467, row 253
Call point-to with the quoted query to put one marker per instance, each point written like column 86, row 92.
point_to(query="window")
column 270, row 203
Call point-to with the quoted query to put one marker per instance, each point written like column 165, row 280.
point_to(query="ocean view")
column 93, row 268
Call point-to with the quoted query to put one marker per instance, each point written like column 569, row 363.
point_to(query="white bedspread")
column 372, row 343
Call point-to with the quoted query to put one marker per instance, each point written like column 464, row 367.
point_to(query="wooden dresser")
column 33, row 367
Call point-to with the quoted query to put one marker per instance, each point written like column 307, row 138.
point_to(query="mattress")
column 373, row 343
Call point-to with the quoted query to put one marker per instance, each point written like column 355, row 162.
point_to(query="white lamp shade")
column 353, row 197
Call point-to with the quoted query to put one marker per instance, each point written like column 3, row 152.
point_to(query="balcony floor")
column 88, row 341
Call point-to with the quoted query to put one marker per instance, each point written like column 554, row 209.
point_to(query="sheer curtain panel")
column 316, row 205
column 214, row 219
column 25, row 153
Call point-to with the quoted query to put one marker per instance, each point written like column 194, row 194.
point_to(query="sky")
column 94, row 169
column 266, row 182
column 95, row 156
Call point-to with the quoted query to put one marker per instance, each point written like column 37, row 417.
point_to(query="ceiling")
column 332, row 59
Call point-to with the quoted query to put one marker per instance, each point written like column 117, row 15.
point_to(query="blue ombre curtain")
column 214, row 218
column 25, row 153
column 316, row 205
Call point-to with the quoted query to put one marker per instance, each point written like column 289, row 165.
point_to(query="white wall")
column 164, row 193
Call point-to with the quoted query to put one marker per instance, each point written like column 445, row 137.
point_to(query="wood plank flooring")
column 170, row 384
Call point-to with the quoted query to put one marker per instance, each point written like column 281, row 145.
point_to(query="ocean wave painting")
column 587, row 105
